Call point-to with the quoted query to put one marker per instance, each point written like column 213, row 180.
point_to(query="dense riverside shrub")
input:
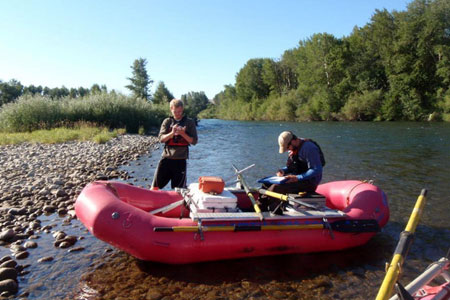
column 112, row 110
column 363, row 107
column 29, row 113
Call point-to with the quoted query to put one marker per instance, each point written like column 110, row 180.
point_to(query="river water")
column 400, row 157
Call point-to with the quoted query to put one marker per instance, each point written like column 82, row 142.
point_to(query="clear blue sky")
column 191, row 45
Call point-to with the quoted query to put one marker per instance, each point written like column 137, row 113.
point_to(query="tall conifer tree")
column 140, row 81
column 162, row 94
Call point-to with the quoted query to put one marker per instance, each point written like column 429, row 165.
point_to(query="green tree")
column 162, row 94
column 288, row 65
column 32, row 90
column 315, row 60
column 54, row 93
column 95, row 89
column 366, row 70
column 228, row 94
column 441, row 18
column 140, row 81
column 372, row 61
column 9, row 91
column 46, row 91
column 272, row 76
column 63, row 92
column 421, row 37
column 380, row 35
column 249, row 81
column 322, row 77
column 83, row 91
column 73, row 93
column 195, row 102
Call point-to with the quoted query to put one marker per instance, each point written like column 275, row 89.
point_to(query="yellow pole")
column 406, row 238
column 273, row 194
column 417, row 212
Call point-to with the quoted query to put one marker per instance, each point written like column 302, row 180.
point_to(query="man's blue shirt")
column 310, row 154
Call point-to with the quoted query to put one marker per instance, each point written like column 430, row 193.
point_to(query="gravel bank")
column 47, row 178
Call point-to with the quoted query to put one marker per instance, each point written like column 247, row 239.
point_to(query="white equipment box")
column 205, row 202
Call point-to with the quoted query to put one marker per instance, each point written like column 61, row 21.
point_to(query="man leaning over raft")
column 303, row 171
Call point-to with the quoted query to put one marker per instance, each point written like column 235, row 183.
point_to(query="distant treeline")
column 396, row 67
column 13, row 89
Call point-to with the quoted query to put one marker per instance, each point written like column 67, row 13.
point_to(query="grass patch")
column 103, row 137
column 60, row 135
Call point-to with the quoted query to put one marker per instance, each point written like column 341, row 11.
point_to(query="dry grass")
column 60, row 135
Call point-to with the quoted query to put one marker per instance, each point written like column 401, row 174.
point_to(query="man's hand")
column 291, row 178
column 175, row 129
column 181, row 130
column 280, row 173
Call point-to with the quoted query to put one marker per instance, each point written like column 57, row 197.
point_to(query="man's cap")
column 283, row 140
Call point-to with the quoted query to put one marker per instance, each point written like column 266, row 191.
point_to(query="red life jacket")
column 177, row 140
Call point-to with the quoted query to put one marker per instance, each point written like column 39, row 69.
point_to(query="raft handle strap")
column 326, row 225
column 200, row 231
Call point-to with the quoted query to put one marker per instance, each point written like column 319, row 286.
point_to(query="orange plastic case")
column 211, row 184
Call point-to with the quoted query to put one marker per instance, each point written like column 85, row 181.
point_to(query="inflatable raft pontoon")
column 188, row 226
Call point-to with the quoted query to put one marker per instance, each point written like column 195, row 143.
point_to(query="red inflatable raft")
column 150, row 225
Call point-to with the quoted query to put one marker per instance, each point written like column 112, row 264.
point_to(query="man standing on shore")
column 177, row 132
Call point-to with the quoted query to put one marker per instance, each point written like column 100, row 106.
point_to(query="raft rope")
column 351, row 190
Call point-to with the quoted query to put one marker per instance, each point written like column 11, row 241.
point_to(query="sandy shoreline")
column 46, row 178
